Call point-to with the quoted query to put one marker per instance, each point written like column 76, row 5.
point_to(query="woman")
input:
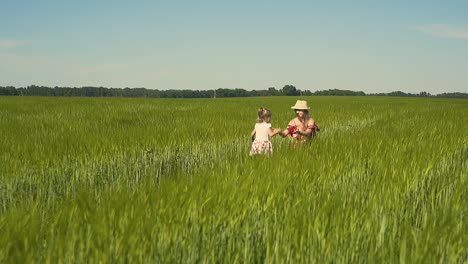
column 302, row 128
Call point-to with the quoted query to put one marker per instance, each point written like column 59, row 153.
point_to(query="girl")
column 262, row 132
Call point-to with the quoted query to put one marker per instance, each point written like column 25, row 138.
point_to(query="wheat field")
column 132, row 180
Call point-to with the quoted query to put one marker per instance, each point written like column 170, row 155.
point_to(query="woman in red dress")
column 302, row 128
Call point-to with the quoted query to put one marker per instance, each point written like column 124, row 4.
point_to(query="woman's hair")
column 306, row 116
column 264, row 115
column 306, row 112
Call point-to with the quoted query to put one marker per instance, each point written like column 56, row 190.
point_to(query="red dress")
column 293, row 127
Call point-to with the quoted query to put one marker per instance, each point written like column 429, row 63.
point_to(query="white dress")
column 261, row 143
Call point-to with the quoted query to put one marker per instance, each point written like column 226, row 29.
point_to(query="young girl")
column 262, row 132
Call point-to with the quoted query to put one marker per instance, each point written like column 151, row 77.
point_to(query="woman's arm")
column 290, row 129
column 252, row 134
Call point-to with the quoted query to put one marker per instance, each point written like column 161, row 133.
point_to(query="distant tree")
column 272, row 91
column 9, row 90
column 453, row 95
column 306, row 93
column 424, row 94
column 334, row 92
column 38, row 90
column 397, row 93
column 89, row 91
column 290, row 90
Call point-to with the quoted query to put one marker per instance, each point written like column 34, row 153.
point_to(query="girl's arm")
column 273, row 132
column 252, row 134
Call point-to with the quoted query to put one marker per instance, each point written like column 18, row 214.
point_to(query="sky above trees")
column 370, row 46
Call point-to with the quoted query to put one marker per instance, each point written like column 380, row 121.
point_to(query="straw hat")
column 301, row 104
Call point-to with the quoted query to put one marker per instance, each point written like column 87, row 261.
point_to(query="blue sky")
column 370, row 46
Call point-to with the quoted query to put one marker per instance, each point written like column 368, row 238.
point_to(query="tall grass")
column 170, row 180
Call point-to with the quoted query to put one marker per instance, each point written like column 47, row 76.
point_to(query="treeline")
column 287, row 90
column 423, row 94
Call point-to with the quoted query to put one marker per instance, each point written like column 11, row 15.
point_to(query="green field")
column 98, row 180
